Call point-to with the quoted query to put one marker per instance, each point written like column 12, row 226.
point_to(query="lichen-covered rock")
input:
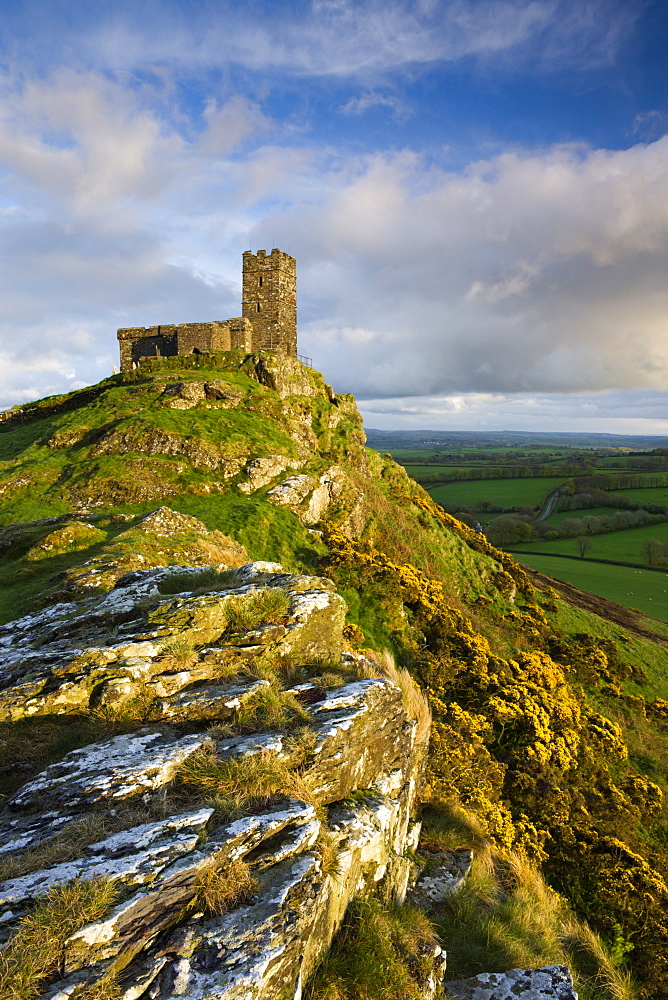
column 313, row 499
column 553, row 982
column 213, row 701
column 177, row 652
column 55, row 662
column 362, row 736
column 289, row 829
column 261, row 471
column 268, row 948
column 444, row 873
column 285, row 375
column 133, row 857
column 116, row 769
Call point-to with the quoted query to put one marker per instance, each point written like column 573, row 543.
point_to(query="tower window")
column 260, row 281
column 259, row 307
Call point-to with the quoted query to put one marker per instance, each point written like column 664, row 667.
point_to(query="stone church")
column 268, row 321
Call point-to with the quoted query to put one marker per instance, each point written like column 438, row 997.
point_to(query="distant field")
column 632, row 588
column 408, row 452
column 655, row 494
column 624, row 545
column 503, row 492
column 440, row 470
column 554, row 520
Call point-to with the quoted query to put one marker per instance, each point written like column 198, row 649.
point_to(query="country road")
column 551, row 500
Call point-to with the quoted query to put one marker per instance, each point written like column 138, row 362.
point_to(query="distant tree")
column 582, row 545
column 507, row 530
column 655, row 553
column 466, row 518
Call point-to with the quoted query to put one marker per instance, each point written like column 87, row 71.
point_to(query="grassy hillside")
column 550, row 727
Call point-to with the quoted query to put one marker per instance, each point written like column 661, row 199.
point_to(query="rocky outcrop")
column 550, row 983
column 344, row 825
column 314, row 499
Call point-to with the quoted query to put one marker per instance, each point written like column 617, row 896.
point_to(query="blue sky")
column 476, row 192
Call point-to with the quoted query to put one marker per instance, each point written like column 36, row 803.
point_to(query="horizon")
column 476, row 194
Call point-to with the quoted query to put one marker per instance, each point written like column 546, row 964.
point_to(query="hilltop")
column 549, row 740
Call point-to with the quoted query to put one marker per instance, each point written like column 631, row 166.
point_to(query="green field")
column 645, row 590
column 554, row 520
column 502, row 492
column 655, row 494
column 624, row 545
column 418, row 471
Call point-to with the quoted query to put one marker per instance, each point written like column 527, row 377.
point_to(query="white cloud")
column 370, row 99
column 528, row 272
column 602, row 413
column 340, row 38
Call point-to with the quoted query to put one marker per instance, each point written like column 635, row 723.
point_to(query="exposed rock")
column 363, row 735
column 292, row 491
column 138, row 436
column 313, row 499
column 116, row 769
column 156, row 540
column 176, row 649
column 261, row 471
column 133, row 857
column 213, row 701
column 53, row 661
column 290, row 828
column 550, row 983
column 185, row 395
column 431, row 981
column 268, row 948
column 444, row 874
column 285, row 375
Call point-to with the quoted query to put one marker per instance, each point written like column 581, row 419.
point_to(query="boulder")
column 553, row 982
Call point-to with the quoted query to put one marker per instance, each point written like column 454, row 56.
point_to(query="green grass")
column 650, row 657
column 655, row 494
column 554, row 520
column 502, row 492
column 379, row 954
column 632, row 588
column 625, row 546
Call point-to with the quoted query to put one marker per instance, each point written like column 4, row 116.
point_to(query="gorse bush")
column 520, row 740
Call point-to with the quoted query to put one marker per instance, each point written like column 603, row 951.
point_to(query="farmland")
column 645, row 590
column 504, row 493
column 611, row 503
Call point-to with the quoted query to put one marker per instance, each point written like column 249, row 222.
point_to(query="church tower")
column 270, row 300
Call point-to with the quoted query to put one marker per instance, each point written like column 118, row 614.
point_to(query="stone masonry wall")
column 139, row 343
column 270, row 300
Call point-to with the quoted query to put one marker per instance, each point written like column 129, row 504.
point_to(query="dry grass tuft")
column 220, row 890
column 273, row 710
column 70, row 843
column 270, row 605
column 107, row 988
column 240, row 785
column 36, row 949
column 414, row 699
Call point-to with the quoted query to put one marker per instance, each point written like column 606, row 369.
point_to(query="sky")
column 476, row 192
